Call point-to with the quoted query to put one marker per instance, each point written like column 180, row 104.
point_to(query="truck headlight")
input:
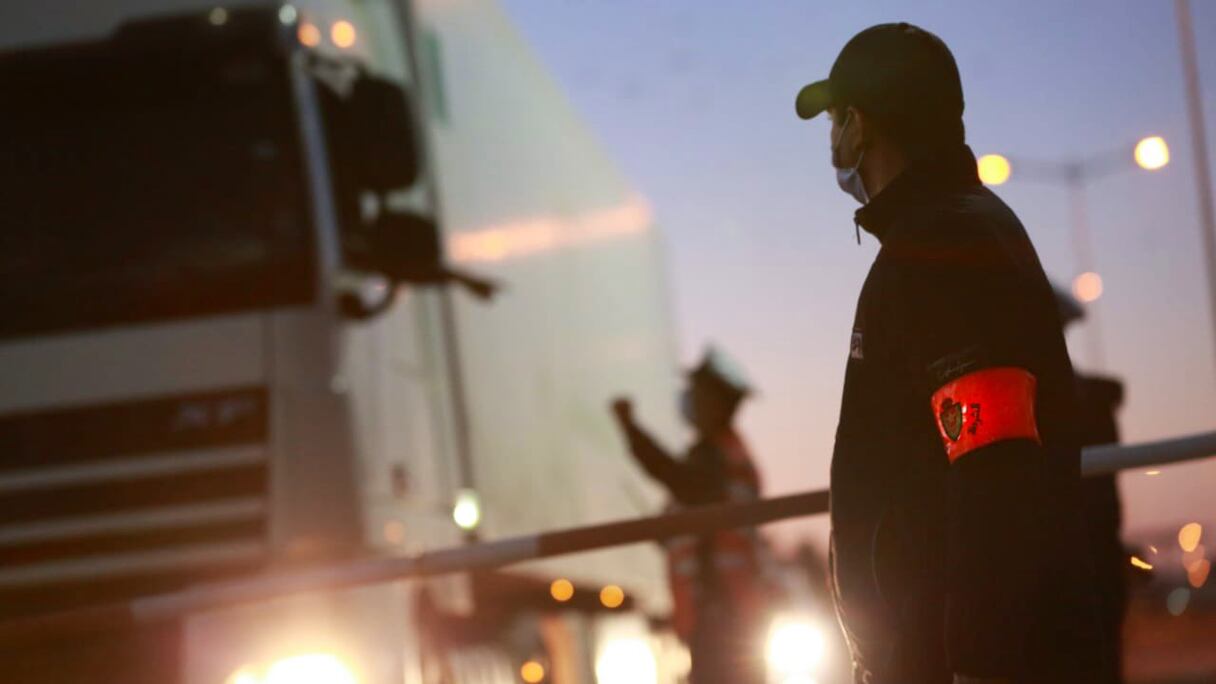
column 626, row 661
column 311, row 668
column 308, row 668
column 795, row 649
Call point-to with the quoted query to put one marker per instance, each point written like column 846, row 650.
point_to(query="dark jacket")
column 976, row 567
column 1100, row 399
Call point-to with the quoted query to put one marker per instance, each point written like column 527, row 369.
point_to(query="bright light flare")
column 1136, row 562
column 1087, row 287
column 1197, row 572
column 309, row 34
column 1189, row 536
column 541, row 234
column 994, row 169
column 561, row 590
column 1152, row 153
column 795, row 648
column 532, row 672
column 310, row 668
column 467, row 510
column 626, row 661
column 612, row 596
column 343, row 34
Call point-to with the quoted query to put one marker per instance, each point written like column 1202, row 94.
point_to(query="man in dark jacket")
column 1099, row 399
column 958, row 546
column 716, row 583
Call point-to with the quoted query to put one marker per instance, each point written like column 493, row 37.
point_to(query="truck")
column 292, row 284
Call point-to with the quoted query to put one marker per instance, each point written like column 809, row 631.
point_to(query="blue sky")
column 695, row 102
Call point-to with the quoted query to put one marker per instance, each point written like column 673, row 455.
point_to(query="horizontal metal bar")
column 509, row 551
column 1111, row 458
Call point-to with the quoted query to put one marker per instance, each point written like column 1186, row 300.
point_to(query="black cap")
column 899, row 73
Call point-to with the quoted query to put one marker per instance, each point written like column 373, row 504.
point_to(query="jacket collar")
column 945, row 170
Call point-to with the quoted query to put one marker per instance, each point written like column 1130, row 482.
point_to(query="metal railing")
column 492, row 554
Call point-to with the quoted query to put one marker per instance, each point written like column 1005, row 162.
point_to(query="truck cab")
column 245, row 264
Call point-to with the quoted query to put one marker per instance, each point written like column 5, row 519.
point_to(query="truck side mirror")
column 370, row 140
column 403, row 247
column 381, row 134
column 372, row 146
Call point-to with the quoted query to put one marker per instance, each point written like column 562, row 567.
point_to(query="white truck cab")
column 236, row 340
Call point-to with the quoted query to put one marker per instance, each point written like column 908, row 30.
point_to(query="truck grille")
column 102, row 502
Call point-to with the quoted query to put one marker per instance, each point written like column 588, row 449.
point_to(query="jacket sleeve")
column 689, row 482
column 953, row 318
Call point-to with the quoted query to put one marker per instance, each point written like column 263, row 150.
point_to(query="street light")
column 1087, row 287
column 994, row 169
column 1150, row 153
column 466, row 511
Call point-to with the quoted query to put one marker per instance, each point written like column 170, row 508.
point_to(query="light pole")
column 1149, row 153
column 1199, row 141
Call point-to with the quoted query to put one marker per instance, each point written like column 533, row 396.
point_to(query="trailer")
column 245, row 266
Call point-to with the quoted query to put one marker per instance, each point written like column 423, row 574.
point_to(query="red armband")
column 985, row 407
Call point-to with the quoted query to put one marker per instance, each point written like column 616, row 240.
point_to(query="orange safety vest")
column 734, row 553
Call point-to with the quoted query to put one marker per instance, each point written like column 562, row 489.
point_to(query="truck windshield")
column 144, row 185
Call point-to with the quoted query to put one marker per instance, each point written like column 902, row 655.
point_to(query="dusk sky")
column 695, row 101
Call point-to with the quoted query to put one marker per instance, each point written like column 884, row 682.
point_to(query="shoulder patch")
column 984, row 407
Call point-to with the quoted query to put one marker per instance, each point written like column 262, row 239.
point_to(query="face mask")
column 849, row 179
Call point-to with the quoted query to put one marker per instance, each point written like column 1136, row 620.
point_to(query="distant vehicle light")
column 1189, row 536
column 343, row 34
column 311, row 668
column 612, row 596
column 561, row 590
column 309, row 35
column 795, row 649
column 994, row 169
column 467, row 510
column 1197, row 572
column 626, row 661
column 1152, row 153
column 532, row 672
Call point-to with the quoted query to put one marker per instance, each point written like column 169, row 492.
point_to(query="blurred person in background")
column 717, row 591
column 1099, row 399
column 956, row 488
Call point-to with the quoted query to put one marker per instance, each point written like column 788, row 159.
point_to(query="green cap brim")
column 813, row 99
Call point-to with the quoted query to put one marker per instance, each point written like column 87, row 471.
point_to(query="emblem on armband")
column 950, row 415
column 965, row 425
